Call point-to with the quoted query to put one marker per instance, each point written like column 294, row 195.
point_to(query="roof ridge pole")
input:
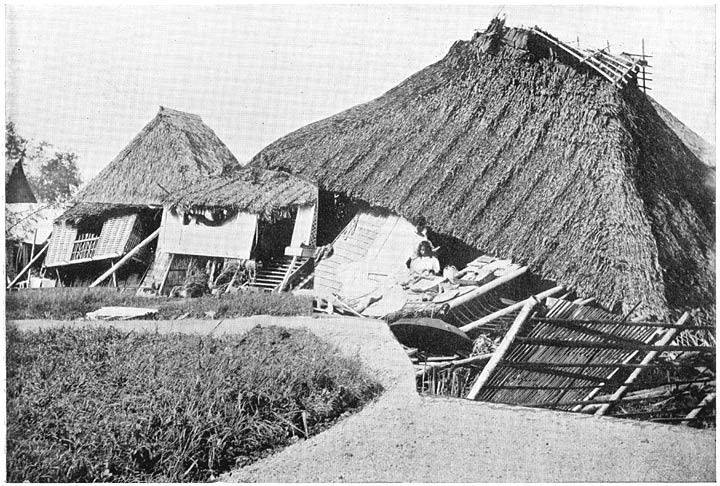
column 620, row 392
column 502, row 350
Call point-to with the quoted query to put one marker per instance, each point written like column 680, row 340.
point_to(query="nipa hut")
column 524, row 148
column 123, row 203
column 222, row 223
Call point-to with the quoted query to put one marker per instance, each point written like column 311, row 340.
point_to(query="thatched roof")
column 526, row 155
column 699, row 146
column 263, row 192
column 17, row 188
column 173, row 152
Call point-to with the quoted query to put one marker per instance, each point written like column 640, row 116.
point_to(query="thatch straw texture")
column 173, row 152
column 263, row 192
column 17, row 188
column 699, row 146
column 528, row 158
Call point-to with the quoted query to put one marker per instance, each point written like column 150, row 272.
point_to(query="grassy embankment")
column 98, row 404
column 73, row 303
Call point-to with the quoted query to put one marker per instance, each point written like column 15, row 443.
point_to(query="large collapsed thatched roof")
column 173, row 152
column 523, row 154
column 267, row 193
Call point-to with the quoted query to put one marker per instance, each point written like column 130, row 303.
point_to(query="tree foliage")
column 59, row 178
column 53, row 178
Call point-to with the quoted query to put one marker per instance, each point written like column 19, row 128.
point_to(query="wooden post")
column 57, row 273
column 487, row 287
column 502, row 350
column 114, row 275
column 511, row 309
column 167, row 272
column 667, row 337
column 27, row 267
column 126, row 258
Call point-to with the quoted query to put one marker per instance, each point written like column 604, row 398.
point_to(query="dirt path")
column 407, row 438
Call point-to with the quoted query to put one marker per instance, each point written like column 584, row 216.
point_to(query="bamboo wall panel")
column 114, row 236
column 61, row 245
column 351, row 245
column 549, row 386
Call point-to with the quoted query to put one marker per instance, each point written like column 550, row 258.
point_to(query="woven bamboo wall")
column 114, row 236
column 61, row 244
column 351, row 245
column 513, row 383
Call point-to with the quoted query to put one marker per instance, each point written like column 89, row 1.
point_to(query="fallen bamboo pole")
column 664, row 325
column 460, row 362
column 27, row 267
column 487, row 287
column 699, row 408
column 127, row 257
column 668, row 337
column 565, row 343
column 510, row 309
column 502, row 350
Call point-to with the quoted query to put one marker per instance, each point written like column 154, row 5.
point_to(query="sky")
column 88, row 79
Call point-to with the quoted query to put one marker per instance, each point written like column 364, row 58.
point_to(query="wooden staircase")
column 271, row 276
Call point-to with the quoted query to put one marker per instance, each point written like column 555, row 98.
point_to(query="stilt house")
column 250, row 214
column 122, row 205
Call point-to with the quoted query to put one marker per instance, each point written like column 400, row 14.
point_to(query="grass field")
column 98, row 404
column 74, row 302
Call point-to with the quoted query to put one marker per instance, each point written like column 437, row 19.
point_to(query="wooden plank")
column 500, row 352
column 483, row 289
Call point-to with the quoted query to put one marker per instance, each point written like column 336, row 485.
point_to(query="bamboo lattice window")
column 86, row 242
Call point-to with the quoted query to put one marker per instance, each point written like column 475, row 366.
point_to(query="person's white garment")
column 426, row 264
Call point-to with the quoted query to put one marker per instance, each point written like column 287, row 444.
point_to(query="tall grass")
column 74, row 302
column 97, row 404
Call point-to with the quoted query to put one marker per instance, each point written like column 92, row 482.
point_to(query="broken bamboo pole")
column 126, row 258
column 502, row 350
column 27, row 267
column 667, row 337
column 699, row 408
column 510, row 309
column 487, row 287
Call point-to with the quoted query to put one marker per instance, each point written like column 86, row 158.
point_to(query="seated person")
column 425, row 264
